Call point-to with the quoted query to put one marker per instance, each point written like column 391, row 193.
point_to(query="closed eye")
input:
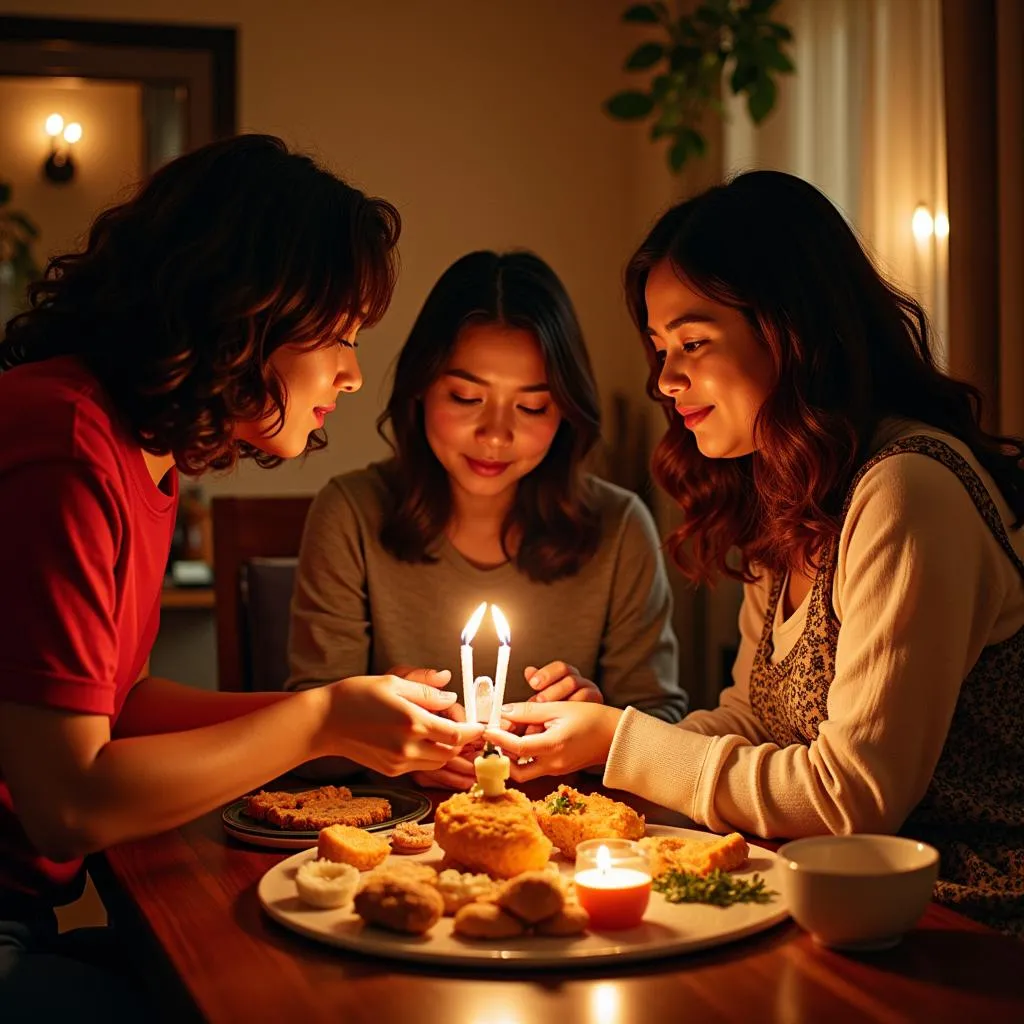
column 462, row 400
column 692, row 346
column 345, row 343
column 533, row 412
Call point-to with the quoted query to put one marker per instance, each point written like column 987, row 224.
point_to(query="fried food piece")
column 409, row 869
column 531, row 896
column 400, row 904
column 457, row 888
column 572, row 919
column 568, row 817
column 496, row 835
column 347, row 844
column 486, row 921
column 696, row 856
column 409, row 838
column 325, row 884
column 317, row 808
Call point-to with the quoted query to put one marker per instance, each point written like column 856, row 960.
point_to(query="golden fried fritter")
column 409, row 838
column 572, row 919
column 317, row 808
column 486, row 921
column 497, row 835
column 531, row 896
column 568, row 817
column 398, row 903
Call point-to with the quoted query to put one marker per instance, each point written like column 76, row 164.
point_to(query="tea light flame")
column 604, row 859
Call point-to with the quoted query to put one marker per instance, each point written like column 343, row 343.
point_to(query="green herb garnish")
column 717, row 888
column 563, row 804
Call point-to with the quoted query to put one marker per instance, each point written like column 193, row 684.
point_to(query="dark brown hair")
column 848, row 349
column 182, row 293
column 559, row 529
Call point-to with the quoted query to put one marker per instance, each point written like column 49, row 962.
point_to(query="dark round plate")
column 406, row 805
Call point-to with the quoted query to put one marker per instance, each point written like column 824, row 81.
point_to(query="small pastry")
column 326, row 884
column 486, row 921
column 399, row 904
column 347, row 844
column 532, row 896
column 572, row 919
column 409, row 838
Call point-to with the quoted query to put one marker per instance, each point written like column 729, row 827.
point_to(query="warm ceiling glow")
column 941, row 225
column 73, row 132
column 54, row 125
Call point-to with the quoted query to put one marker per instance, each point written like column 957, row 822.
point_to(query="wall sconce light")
column 924, row 225
column 58, row 166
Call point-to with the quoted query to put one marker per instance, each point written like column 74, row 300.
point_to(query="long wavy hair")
column 848, row 349
column 182, row 293
column 551, row 514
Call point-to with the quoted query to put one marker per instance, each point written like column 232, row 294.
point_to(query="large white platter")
column 668, row 929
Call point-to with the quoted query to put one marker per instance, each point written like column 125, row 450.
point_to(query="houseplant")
column 17, row 265
column 732, row 40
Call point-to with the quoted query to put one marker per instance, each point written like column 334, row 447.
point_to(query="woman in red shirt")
column 211, row 317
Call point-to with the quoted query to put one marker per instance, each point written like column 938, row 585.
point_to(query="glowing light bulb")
column 922, row 223
column 941, row 225
column 73, row 132
column 54, row 125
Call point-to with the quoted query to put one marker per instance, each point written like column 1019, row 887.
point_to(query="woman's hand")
column 385, row 722
column 571, row 736
column 558, row 680
column 458, row 773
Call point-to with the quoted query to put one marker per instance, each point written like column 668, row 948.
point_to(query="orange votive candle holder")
column 613, row 882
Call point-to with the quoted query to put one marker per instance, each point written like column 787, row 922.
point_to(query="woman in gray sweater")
column 492, row 414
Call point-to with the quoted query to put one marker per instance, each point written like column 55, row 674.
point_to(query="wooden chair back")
column 246, row 528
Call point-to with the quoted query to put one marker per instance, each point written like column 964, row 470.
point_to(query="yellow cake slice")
column 696, row 856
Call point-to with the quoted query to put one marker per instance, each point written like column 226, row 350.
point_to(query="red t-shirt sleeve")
column 62, row 528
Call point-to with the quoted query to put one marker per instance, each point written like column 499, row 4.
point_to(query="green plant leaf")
column 681, row 57
column 743, row 76
column 778, row 61
column 641, row 14
column 761, row 6
column 645, row 56
column 761, row 99
column 780, row 31
column 630, row 105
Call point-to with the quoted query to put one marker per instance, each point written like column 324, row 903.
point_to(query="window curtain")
column 983, row 49
column 862, row 118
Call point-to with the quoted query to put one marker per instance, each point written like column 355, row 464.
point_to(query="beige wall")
column 108, row 157
column 481, row 121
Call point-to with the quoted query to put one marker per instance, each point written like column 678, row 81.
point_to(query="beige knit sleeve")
column 920, row 583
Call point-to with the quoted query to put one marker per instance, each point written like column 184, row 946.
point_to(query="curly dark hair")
column 848, row 349
column 182, row 293
column 560, row 529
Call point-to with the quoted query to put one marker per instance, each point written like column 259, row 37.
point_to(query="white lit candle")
column 468, row 679
column 504, row 650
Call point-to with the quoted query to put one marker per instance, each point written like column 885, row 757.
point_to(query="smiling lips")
column 694, row 415
column 321, row 411
column 487, row 467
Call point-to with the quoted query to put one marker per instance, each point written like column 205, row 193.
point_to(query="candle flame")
column 474, row 623
column 501, row 625
column 604, row 859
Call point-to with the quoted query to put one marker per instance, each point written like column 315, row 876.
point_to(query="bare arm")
column 77, row 790
column 158, row 705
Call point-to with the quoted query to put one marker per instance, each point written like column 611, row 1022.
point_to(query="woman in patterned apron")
column 820, row 456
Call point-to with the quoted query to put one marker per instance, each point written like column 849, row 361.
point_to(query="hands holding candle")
column 571, row 735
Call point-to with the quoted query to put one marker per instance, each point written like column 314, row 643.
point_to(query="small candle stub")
column 492, row 769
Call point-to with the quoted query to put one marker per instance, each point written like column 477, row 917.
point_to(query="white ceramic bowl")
column 858, row 892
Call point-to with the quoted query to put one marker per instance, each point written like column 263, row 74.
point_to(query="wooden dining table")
column 187, row 902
